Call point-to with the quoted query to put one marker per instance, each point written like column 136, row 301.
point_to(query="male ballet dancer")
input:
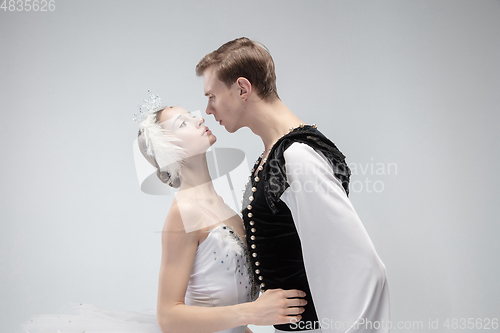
column 301, row 229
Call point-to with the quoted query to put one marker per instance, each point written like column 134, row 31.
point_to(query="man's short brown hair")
column 243, row 57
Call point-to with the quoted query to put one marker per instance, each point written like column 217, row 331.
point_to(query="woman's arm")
column 178, row 254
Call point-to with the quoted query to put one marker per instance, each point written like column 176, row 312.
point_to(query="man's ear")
column 245, row 88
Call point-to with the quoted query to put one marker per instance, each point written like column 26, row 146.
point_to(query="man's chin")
column 231, row 129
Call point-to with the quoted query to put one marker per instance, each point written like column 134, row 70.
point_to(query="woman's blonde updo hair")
column 158, row 146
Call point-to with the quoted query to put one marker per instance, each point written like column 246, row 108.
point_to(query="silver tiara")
column 152, row 105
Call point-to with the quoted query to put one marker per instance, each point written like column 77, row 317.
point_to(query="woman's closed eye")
column 184, row 122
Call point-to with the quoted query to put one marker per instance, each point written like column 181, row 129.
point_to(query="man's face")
column 223, row 103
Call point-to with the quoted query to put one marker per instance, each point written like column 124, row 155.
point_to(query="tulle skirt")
column 88, row 318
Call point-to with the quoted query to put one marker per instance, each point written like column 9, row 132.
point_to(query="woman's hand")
column 277, row 306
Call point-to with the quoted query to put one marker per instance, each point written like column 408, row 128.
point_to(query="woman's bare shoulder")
column 185, row 216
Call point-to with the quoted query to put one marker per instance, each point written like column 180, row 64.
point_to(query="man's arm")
column 346, row 277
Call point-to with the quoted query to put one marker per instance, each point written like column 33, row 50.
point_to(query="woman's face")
column 194, row 136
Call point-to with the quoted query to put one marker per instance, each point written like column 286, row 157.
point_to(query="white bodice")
column 220, row 274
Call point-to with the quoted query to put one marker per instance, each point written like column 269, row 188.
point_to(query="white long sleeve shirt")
column 347, row 278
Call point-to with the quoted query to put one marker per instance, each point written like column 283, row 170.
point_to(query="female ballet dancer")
column 205, row 284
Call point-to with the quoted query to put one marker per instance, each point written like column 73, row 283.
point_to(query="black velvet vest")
column 272, row 239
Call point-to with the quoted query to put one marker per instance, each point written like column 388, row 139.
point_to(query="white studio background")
column 408, row 90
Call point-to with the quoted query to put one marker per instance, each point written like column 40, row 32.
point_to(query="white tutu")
column 88, row 318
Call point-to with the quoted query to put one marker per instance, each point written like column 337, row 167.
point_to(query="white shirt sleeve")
column 346, row 277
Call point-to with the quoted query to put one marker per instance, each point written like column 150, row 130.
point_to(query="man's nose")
column 209, row 110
